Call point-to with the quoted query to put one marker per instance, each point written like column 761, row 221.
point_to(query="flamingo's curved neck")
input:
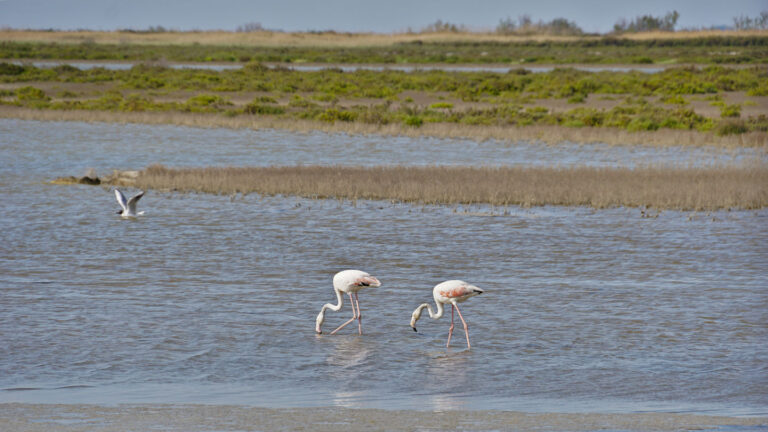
column 428, row 307
column 335, row 308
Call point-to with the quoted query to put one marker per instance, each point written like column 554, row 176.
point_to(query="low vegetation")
column 643, row 102
column 446, row 47
column 706, row 188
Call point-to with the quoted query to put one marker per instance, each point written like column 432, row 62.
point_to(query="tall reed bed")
column 705, row 188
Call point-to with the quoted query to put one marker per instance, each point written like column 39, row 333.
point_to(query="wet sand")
column 43, row 417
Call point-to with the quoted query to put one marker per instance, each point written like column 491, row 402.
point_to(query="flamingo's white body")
column 349, row 282
column 449, row 292
column 128, row 206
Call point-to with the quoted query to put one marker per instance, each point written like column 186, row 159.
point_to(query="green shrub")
column 759, row 123
column 325, row 97
column 441, row 105
column 299, row 102
column 66, row 94
column 577, row 98
column 760, row 89
column 29, row 93
column 730, row 110
column 675, row 100
column 109, row 101
column 255, row 67
column 257, row 108
column 378, row 114
column 11, row 69
column 731, row 127
column 332, row 114
column 413, row 120
column 265, row 99
column 135, row 102
column 207, row 100
column 584, row 117
column 642, row 124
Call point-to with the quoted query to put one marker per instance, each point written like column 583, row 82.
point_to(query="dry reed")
column 706, row 188
column 546, row 134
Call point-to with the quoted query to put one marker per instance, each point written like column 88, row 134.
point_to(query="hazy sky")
column 353, row 15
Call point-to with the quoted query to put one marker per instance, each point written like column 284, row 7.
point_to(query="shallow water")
column 353, row 67
column 50, row 149
column 212, row 299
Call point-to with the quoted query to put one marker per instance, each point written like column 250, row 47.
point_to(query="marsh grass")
column 547, row 134
column 706, row 188
column 373, row 97
column 419, row 48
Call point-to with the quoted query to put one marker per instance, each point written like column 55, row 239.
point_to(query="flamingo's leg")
column 359, row 316
column 450, row 330
column 466, row 330
column 354, row 315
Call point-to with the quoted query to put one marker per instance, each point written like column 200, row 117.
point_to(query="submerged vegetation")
column 706, row 188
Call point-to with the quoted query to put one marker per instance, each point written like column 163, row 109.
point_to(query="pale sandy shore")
column 49, row 417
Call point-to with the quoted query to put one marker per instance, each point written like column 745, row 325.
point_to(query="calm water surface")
column 353, row 67
column 212, row 299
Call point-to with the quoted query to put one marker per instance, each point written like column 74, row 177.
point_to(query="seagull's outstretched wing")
column 121, row 199
column 134, row 199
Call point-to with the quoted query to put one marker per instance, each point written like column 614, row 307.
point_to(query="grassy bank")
column 647, row 48
column 706, row 188
column 713, row 100
column 546, row 134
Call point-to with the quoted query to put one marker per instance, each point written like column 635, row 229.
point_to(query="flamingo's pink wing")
column 454, row 292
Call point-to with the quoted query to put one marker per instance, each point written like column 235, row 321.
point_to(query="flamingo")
column 129, row 206
column 453, row 292
column 350, row 282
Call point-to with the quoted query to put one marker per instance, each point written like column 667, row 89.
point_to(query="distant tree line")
column 525, row 25
column 444, row 27
column 646, row 23
column 746, row 23
column 250, row 27
column 150, row 29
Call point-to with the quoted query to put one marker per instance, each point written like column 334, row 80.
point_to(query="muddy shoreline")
column 43, row 417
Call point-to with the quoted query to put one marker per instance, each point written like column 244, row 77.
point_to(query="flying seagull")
column 129, row 206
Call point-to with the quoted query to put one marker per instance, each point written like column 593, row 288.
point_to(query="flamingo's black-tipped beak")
column 119, row 212
column 414, row 329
